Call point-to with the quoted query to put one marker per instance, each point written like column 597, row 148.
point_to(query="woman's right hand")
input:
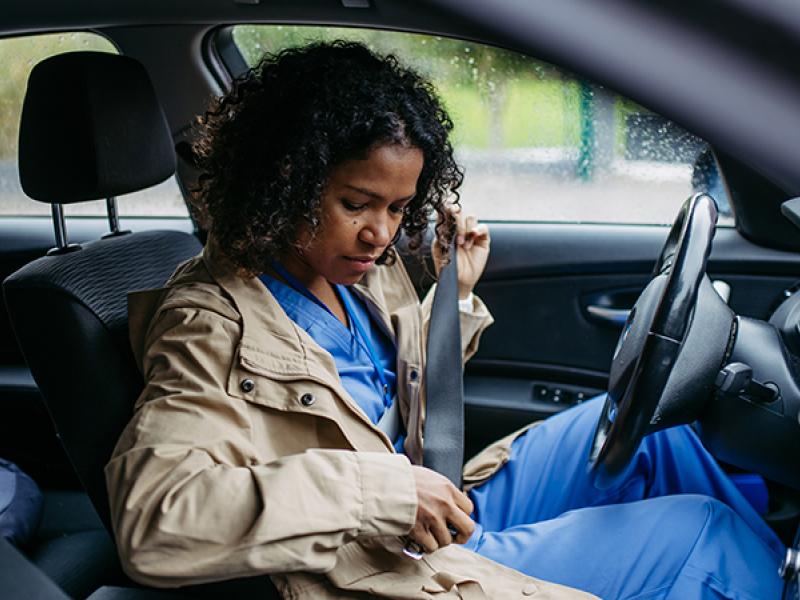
column 440, row 504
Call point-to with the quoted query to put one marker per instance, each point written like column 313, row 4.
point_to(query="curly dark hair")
column 265, row 149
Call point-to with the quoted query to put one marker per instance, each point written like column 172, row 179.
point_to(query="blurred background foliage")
column 497, row 98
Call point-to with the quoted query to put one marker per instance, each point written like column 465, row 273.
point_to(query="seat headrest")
column 91, row 128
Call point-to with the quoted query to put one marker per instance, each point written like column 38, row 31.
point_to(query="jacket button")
column 413, row 375
column 247, row 385
column 530, row 589
column 307, row 399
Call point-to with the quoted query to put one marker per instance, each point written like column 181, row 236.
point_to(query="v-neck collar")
column 297, row 306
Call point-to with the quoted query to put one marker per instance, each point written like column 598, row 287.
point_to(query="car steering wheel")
column 658, row 380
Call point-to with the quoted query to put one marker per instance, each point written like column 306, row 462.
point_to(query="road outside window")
column 537, row 143
column 17, row 57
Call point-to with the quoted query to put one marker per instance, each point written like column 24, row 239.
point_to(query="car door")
column 558, row 293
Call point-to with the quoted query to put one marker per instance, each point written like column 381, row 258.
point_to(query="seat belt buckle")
column 413, row 550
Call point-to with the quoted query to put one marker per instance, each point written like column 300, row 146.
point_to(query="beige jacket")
column 246, row 456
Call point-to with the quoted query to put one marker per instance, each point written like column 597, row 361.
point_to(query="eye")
column 352, row 207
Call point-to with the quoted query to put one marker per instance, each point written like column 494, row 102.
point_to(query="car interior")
column 594, row 243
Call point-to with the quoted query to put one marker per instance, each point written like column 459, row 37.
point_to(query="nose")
column 377, row 231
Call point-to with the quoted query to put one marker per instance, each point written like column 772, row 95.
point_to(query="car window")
column 17, row 57
column 537, row 143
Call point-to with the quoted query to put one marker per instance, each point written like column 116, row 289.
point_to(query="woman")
column 264, row 441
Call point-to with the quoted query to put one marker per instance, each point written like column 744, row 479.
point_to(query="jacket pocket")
column 276, row 382
column 275, row 365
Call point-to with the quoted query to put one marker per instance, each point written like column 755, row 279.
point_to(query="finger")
column 463, row 502
column 463, row 525
column 461, row 228
column 424, row 538
column 471, row 228
column 439, row 531
column 480, row 235
column 470, row 223
column 481, row 231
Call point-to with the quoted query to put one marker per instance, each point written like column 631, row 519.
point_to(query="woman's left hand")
column 472, row 243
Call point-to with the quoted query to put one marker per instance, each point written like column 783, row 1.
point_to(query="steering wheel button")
column 541, row 392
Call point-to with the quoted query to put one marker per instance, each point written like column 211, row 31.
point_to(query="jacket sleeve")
column 473, row 323
column 188, row 503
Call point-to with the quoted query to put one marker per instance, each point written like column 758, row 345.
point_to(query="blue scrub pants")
column 673, row 526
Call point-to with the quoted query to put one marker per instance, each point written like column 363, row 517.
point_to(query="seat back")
column 69, row 314
column 91, row 128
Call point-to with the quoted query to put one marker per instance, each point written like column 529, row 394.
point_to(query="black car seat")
column 92, row 128
column 21, row 580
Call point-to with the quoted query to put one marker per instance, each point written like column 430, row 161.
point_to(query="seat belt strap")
column 443, row 435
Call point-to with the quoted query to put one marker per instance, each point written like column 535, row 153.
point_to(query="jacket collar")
column 261, row 313
column 249, row 293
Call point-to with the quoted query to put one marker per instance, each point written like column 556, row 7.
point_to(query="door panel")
column 538, row 284
column 541, row 320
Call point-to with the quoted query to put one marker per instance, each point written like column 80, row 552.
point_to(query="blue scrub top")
column 352, row 361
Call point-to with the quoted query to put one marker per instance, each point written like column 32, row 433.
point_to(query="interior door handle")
column 618, row 316
column 615, row 316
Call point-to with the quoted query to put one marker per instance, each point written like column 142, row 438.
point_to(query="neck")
column 296, row 265
column 316, row 284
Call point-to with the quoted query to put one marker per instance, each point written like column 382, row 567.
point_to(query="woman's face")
column 362, row 209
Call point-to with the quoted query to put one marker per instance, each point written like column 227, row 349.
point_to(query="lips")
column 361, row 264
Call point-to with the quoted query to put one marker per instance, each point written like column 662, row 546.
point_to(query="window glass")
column 537, row 143
column 17, row 57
